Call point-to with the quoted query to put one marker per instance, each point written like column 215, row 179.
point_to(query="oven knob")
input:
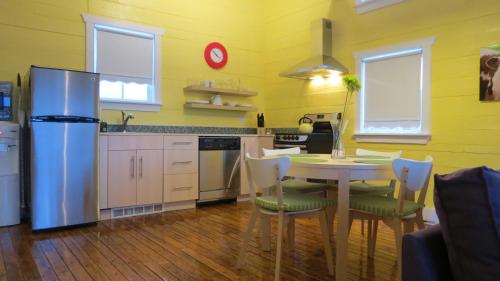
column 287, row 137
column 296, row 138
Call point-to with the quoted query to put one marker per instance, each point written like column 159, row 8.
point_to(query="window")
column 128, row 58
column 394, row 101
column 365, row 6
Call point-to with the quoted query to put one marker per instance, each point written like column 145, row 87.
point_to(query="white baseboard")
column 430, row 216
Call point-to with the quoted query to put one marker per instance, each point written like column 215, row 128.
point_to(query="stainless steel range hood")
column 321, row 63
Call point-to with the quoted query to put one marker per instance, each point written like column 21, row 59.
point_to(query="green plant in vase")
column 352, row 86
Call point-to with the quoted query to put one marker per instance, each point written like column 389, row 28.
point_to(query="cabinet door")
column 149, row 176
column 248, row 145
column 122, row 178
column 103, row 172
column 265, row 142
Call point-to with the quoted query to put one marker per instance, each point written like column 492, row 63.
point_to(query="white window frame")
column 157, row 33
column 424, row 135
column 365, row 6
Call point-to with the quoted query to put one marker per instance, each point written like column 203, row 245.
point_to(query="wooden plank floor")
column 200, row 244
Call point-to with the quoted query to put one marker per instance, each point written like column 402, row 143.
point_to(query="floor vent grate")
column 136, row 211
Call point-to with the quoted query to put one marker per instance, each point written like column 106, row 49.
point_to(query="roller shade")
column 124, row 54
column 393, row 91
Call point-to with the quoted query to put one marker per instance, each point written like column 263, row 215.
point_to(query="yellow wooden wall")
column 465, row 132
column 266, row 37
column 52, row 33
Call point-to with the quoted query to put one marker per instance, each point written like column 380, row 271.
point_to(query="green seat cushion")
column 363, row 188
column 294, row 185
column 382, row 206
column 294, row 202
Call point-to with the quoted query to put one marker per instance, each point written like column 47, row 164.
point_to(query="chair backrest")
column 391, row 154
column 418, row 172
column 272, row 152
column 266, row 172
column 414, row 176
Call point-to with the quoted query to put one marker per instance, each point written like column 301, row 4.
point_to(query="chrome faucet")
column 125, row 118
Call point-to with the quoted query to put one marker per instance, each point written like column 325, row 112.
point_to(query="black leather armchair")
column 425, row 256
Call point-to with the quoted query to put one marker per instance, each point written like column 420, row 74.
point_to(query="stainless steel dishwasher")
column 219, row 171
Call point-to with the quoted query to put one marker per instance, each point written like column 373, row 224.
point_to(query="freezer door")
column 64, row 171
column 64, row 93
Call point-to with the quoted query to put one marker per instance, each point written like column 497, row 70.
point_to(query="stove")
column 325, row 130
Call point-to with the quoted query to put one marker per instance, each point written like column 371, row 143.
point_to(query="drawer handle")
column 182, row 188
column 182, row 142
column 182, row 162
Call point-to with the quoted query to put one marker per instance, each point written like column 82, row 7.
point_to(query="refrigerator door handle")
column 132, row 166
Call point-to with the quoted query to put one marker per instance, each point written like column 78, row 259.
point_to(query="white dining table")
column 342, row 170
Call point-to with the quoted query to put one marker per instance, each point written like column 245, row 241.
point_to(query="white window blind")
column 125, row 61
column 393, row 104
column 128, row 57
column 124, row 54
column 392, row 93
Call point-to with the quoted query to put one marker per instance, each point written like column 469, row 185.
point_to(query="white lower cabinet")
column 134, row 170
column 149, row 177
column 253, row 146
column 103, row 172
column 122, row 178
column 181, row 168
column 249, row 145
column 180, row 187
column 152, row 169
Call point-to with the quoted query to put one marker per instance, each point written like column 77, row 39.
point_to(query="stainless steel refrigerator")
column 64, row 129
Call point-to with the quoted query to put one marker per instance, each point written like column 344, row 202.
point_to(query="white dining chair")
column 365, row 188
column 268, row 174
column 357, row 188
column 296, row 185
column 273, row 152
column 413, row 176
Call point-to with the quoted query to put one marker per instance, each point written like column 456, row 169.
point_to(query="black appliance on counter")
column 325, row 130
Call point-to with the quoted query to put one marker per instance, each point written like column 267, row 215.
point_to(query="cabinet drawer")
column 180, row 161
column 180, row 187
column 135, row 142
column 122, row 142
column 149, row 142
column 180, row 142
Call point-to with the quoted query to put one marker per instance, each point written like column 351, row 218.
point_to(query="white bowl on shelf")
column 230, row 103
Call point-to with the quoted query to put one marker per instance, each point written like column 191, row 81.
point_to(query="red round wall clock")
column 215, row 55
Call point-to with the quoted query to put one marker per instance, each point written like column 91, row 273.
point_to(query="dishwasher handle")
column 236, row 166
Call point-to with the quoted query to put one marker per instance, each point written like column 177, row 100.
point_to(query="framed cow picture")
column 489, row 88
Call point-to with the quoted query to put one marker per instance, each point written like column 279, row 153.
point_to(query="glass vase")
column 338, row 151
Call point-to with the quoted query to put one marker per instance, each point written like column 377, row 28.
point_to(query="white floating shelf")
column 218, row 107
column 220, row 91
